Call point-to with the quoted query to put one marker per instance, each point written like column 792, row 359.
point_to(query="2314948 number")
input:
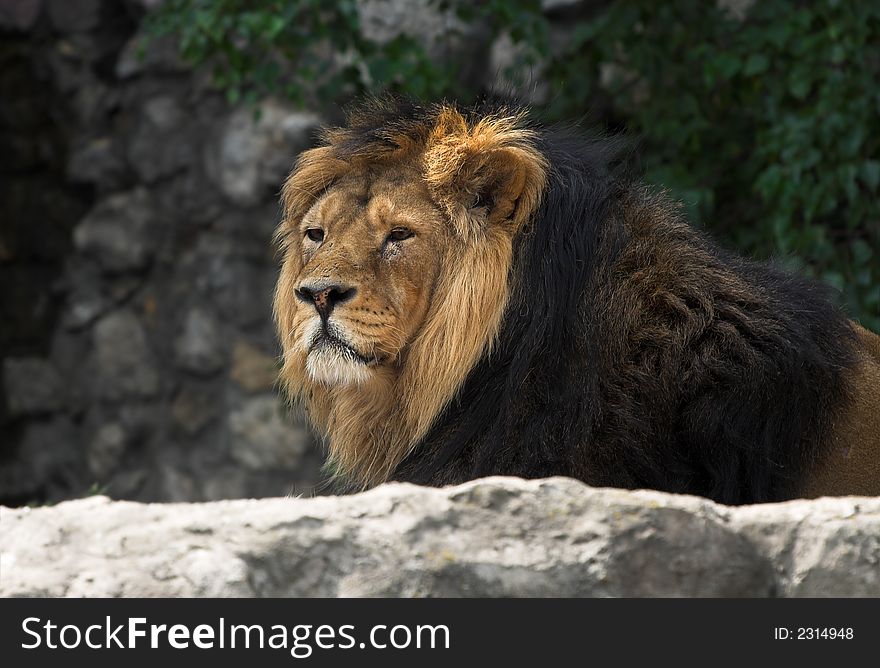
column 813, row 633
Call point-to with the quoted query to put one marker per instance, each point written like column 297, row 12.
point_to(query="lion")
column 465, row 292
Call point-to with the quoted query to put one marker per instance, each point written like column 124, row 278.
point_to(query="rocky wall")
column 138, row 356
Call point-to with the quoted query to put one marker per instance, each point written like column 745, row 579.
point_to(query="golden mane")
column 488, row 178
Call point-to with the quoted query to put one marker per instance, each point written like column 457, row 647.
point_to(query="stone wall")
column 492, row 537
column 136, row 269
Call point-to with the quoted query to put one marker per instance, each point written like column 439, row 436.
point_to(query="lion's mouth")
column 327, row 339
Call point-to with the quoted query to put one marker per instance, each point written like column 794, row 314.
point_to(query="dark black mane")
column 719, row 381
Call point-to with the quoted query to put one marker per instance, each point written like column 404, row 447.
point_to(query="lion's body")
column 551, row 317
column 850, row 461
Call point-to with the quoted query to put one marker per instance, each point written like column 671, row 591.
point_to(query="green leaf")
column 834, row 279
column 799, row 83
column 756, row 64
column 861, row 251
column 869, row 172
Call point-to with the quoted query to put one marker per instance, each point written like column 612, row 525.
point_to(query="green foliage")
column 305, row 49
column 767, row 127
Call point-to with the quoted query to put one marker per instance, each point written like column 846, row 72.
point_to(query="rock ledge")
column 492, row 537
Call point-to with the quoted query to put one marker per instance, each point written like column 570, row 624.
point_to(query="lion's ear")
column 486, row 174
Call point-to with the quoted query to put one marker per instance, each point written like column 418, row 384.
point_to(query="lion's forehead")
column 374, row 202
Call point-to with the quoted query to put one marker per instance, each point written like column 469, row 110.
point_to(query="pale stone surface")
column 163, row 141
column 32, row 386
column 262, row 437
column 383, row 20
column 194, row 408
column 492, row 537
column 142, row 55
column 440, row 31
column 252, row 369
column 255, row 148
column 737, row 9
column 125, row 365
column 120, row 232
column 199, row 346
column 106, row 449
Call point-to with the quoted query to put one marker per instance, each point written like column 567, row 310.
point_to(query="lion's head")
column 396, row 245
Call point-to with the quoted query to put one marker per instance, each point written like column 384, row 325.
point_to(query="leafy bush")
column 312, row 51
column 767, row 126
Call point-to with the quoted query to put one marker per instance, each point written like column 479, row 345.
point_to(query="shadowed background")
column 143, row 144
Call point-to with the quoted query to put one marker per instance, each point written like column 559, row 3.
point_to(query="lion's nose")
column 325, row 297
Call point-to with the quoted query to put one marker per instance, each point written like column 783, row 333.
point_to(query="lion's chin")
column 331, row 365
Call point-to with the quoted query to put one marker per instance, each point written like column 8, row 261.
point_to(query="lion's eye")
column 399, row 234
column 316, row 234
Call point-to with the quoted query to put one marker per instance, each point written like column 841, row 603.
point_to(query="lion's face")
column 365, row 261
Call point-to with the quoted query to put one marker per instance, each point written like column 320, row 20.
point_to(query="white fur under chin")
column 332, row 366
